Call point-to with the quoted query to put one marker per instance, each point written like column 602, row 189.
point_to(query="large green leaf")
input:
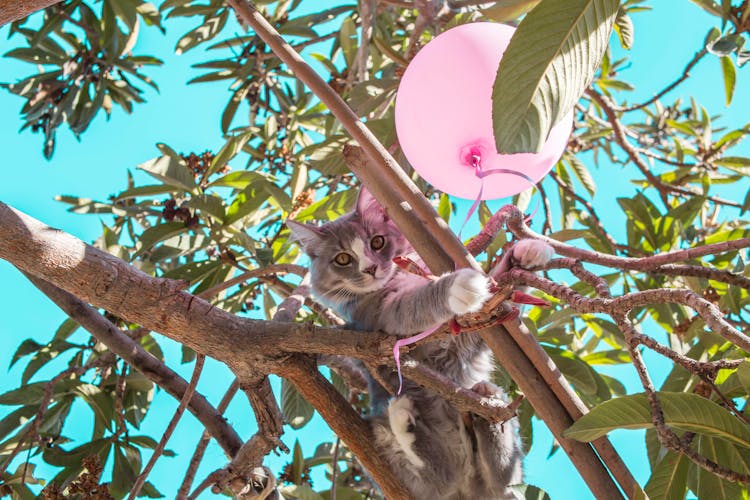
column 682, row 410
column 301, row 491
column 297, row 411
column 504, row 11
column 549, row 63
column 171, row 169
column 706, row 484
column 669, row 478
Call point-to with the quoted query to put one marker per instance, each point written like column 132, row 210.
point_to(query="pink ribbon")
column 476, row 164
column 407, row 341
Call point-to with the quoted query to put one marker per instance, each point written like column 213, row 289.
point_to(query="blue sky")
column 187, row 118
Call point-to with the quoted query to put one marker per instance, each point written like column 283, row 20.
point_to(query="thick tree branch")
column 13, row 10
column 161, row 305
column 302, row 372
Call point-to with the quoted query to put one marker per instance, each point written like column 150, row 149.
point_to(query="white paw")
column 486, row 389
column 468, row 291
column 402, row 418
column 532, row 253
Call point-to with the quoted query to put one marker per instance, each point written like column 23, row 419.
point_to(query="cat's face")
column 353, row 254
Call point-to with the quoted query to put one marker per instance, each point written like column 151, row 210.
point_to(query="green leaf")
column 171, row 170
column 624, row 29
column 444, row 207
column 230, row 149
column 209, row 29
column 231, row 109
column 125, row 11
column 127, row 465
column 27, row 347
column 504, row 11
column 684, row 411
column 529, row 492
column 348, row 40
column 709, row 6
column 66, row 329
column 149, row 490
column 142, row 191
column 301, row 491
column 569, row 234
column 550, row 61
column 581, row 375
column 730, row 77
column 155, row 234
column 208, row 204
column 706, row 484
column 296, row 410
column 669, row 477
column 582, row 173
column 15, row 419
column 743, row 373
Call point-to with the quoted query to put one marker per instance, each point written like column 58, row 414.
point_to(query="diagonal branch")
column 302, row 372
column 137, row 357
column 141, row 479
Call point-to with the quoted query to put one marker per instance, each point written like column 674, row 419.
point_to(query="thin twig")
column 270, row 270
column 200, row 449
column 141, row 480
column 335, row 465
column 685, row 75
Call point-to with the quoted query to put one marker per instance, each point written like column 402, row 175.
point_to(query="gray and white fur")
column 435, row 451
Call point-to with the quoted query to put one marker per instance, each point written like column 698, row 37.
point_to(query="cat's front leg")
column 411, row 308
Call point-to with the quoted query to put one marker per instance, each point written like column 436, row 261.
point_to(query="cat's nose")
column 370, row 270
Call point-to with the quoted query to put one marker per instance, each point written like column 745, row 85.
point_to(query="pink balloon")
column 444, row 115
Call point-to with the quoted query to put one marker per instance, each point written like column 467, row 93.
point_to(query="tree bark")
column 13, row 10
column 161, row 305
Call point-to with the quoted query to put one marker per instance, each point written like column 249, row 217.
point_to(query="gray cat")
column 435, row 451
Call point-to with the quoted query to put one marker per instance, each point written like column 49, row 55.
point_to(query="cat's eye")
column 377, row 242
column 343, row 259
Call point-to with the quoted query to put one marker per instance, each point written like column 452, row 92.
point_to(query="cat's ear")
column 307, row 235
column 367, row 205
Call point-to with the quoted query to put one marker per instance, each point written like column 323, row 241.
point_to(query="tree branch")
column 513, row 217
column 200, row 449
column 302, row 372
column 466, row 400
column 13, row 10
column 685, row 75
column 137, row 357
column 708, row 312
column 141, row 479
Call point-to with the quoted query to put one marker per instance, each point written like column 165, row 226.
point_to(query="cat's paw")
column 402, row 418
column 532, row 253
column 486, row 389
column 468, row 291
